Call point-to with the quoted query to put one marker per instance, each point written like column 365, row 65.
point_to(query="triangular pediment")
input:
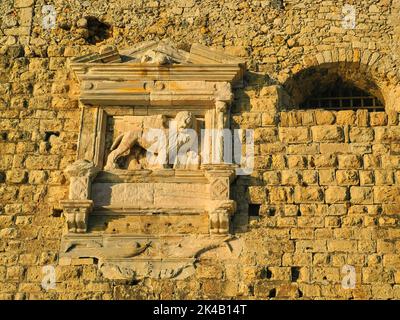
column 161, row 53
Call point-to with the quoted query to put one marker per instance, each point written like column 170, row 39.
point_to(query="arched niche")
column 337, row 86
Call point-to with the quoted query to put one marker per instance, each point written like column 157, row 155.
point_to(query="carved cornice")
column 155, row 74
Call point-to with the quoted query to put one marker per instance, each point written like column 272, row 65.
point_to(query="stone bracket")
column 77, row 213
column 221, row 206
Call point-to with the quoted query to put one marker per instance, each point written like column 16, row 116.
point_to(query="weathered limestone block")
column 378, row 119
column 349, row 161
column 361, row 195
column 294, row 135
column 324, row 117
column 313, row 209
column 43, row 162
column 23, row 3
column 296, row 162
column 371, row 161
column 393, row 118
column 336, row 194
column 306, row 233
column 309, row 177
column 346, row 117
column 269, row 119
column 327, row 133
column 376, row 274
column 347, row 177
column 262, row 135
column 290, row 177
column 325, row 161
column 362, row 118
column 384, row 177
column 390, row 162
column 329, row 148
column 311, row 246
column 280, row 194
column 248, row 120
column 272, row 177
column 290, row 119
column 308, row 118
column 268, row 105
column 302, row 149
column 309, row 194
column 386, row 194
column 342, row 245
column 366, row 177
column 257, row 194
column 327, row 177
column 16, row 176
column 310, row 221
column 279, row 162
column 361, row 135
column 387, row 135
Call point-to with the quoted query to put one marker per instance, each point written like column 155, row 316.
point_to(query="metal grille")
column 343, row 97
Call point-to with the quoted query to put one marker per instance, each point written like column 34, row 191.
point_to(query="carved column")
column 223, row 97
column 221, row 108
column 78, row 206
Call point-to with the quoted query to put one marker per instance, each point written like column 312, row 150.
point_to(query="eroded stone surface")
column 294, row 249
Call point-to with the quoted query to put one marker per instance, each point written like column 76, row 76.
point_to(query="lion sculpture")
column 131, row 142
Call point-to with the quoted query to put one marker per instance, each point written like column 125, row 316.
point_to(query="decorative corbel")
column 220, row 217
column 221, row 207
column 78, row 206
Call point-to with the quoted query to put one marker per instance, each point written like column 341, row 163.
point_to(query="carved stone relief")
column 144, row 198
column 133, row 258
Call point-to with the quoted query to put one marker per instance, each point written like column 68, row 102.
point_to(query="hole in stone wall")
column 98, row 31
column 56, row 213
column 251, row 290
column 254, row 210
column 272, row 293
column 277, row 4
column 295, row 273
column 271, row 212
column 49, row 139
column 265, row 273
column 48, row 134
column 4, row 136
column 2, row 177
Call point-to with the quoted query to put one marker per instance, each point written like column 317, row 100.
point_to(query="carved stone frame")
column 200, row 81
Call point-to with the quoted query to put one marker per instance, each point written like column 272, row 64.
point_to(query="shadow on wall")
column 335, row 86
column 247, row 110
column 91, row 29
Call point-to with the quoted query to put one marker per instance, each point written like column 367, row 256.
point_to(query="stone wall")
column 326, row 183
